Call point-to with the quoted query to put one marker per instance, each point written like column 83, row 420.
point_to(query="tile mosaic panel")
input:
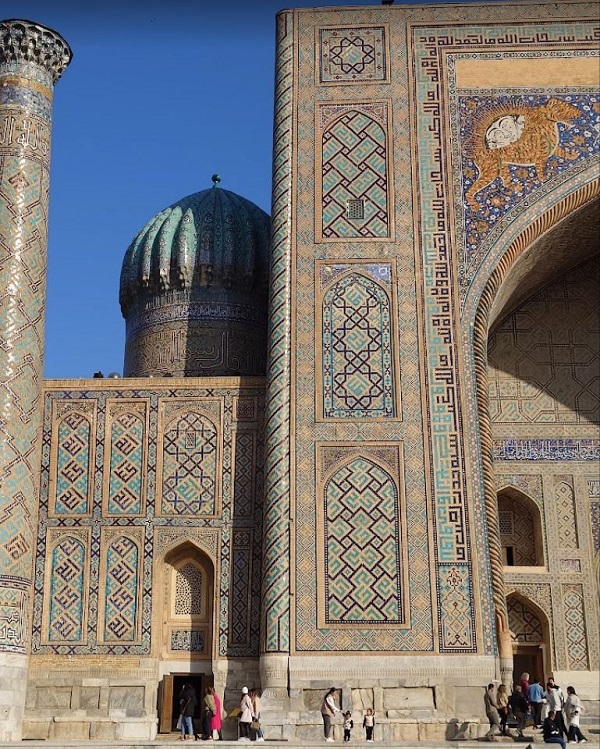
column 515, row 144
column 435, row 98
column 25, row 129
column 184, row 641
column 240, row 589
column 558, row 449
column 67, row 599
column 127, row 463
column 565, row 511
column 354, row 197
column 121, row 589
column 570, row 565
column 276, row 529
column 355, row 54
column 575, row 628
column 189, row 466
column 119, row 620
column 13, row 619
column 521, row 531
column 73, row 465
column 525, row 626
column 357, row 357
column 244, row 482
column 361, row 529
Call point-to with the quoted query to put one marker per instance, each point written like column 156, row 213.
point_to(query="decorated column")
column 32, row 59
column 275, row 620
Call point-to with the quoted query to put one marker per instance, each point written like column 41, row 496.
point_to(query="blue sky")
column 159, row 96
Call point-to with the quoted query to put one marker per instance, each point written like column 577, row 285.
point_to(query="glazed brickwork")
column 556, row 368
column 128, row 475
column 544, row 361
column 32, row 58
column 451, row 218
column 431, row 165
column 26, row 86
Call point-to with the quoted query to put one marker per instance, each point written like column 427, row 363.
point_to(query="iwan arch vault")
column 347, row 428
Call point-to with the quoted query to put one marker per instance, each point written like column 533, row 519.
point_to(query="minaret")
column 32, row 59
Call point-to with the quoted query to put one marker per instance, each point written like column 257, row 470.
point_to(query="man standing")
column 556, row 702
column 491, row 710
column 536, row 695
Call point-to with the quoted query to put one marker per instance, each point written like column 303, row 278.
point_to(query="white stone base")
column 13, row 689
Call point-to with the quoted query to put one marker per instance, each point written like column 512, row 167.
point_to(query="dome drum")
column 212, row 335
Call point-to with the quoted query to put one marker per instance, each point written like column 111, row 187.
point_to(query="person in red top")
column 525, row 685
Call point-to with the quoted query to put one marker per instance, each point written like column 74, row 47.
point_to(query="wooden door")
column 165, row 704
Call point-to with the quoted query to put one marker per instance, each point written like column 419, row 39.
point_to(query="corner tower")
column 32, row 59
column 194, row 289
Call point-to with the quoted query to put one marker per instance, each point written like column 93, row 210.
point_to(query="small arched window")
column 520, row 529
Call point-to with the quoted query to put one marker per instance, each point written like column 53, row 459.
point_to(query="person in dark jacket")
column 520, row 708
column 552, row 732
column 187, row 708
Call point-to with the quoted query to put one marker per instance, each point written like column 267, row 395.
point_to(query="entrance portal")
column 169, row 690
column 530, row 638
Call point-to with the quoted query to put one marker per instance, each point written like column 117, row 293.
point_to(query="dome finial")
column 216, row 178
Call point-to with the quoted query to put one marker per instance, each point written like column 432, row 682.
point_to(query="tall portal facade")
column 407, row 505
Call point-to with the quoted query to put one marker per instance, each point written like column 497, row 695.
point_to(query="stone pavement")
column 170, row 741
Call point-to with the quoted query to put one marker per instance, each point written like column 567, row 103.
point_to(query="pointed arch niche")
column 530, row 637
column 187, row 606
column 529, row 254
column 521, row 531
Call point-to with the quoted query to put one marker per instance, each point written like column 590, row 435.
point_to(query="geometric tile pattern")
column 524, row 625
column 362, row 546
column 521, row 536
column 121, row 591
column 457, row 616
column 354, row 168
column 245, row 473
column 565, row 512
column 118, row 608
column 351, row 55
column 126, row 468
column 66, row 595
column 595, row 521
column 434, row 91
column 543, row 358
column 450, row 486
column 13, row 619
column 276, row 530
column 73, row 465
column 23, row 232
column 357, row 350
column 189, row 466
column 189, row 590
column 575, row 631
column 30, row 63
column 239, row 600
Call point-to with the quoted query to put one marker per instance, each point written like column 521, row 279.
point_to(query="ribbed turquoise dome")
column 211, row 238
column 194, row 289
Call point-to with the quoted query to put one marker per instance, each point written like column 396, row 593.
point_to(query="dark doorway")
column 168, row 699
column 528, row 660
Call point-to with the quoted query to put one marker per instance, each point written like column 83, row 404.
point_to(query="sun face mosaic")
column 515, row 144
